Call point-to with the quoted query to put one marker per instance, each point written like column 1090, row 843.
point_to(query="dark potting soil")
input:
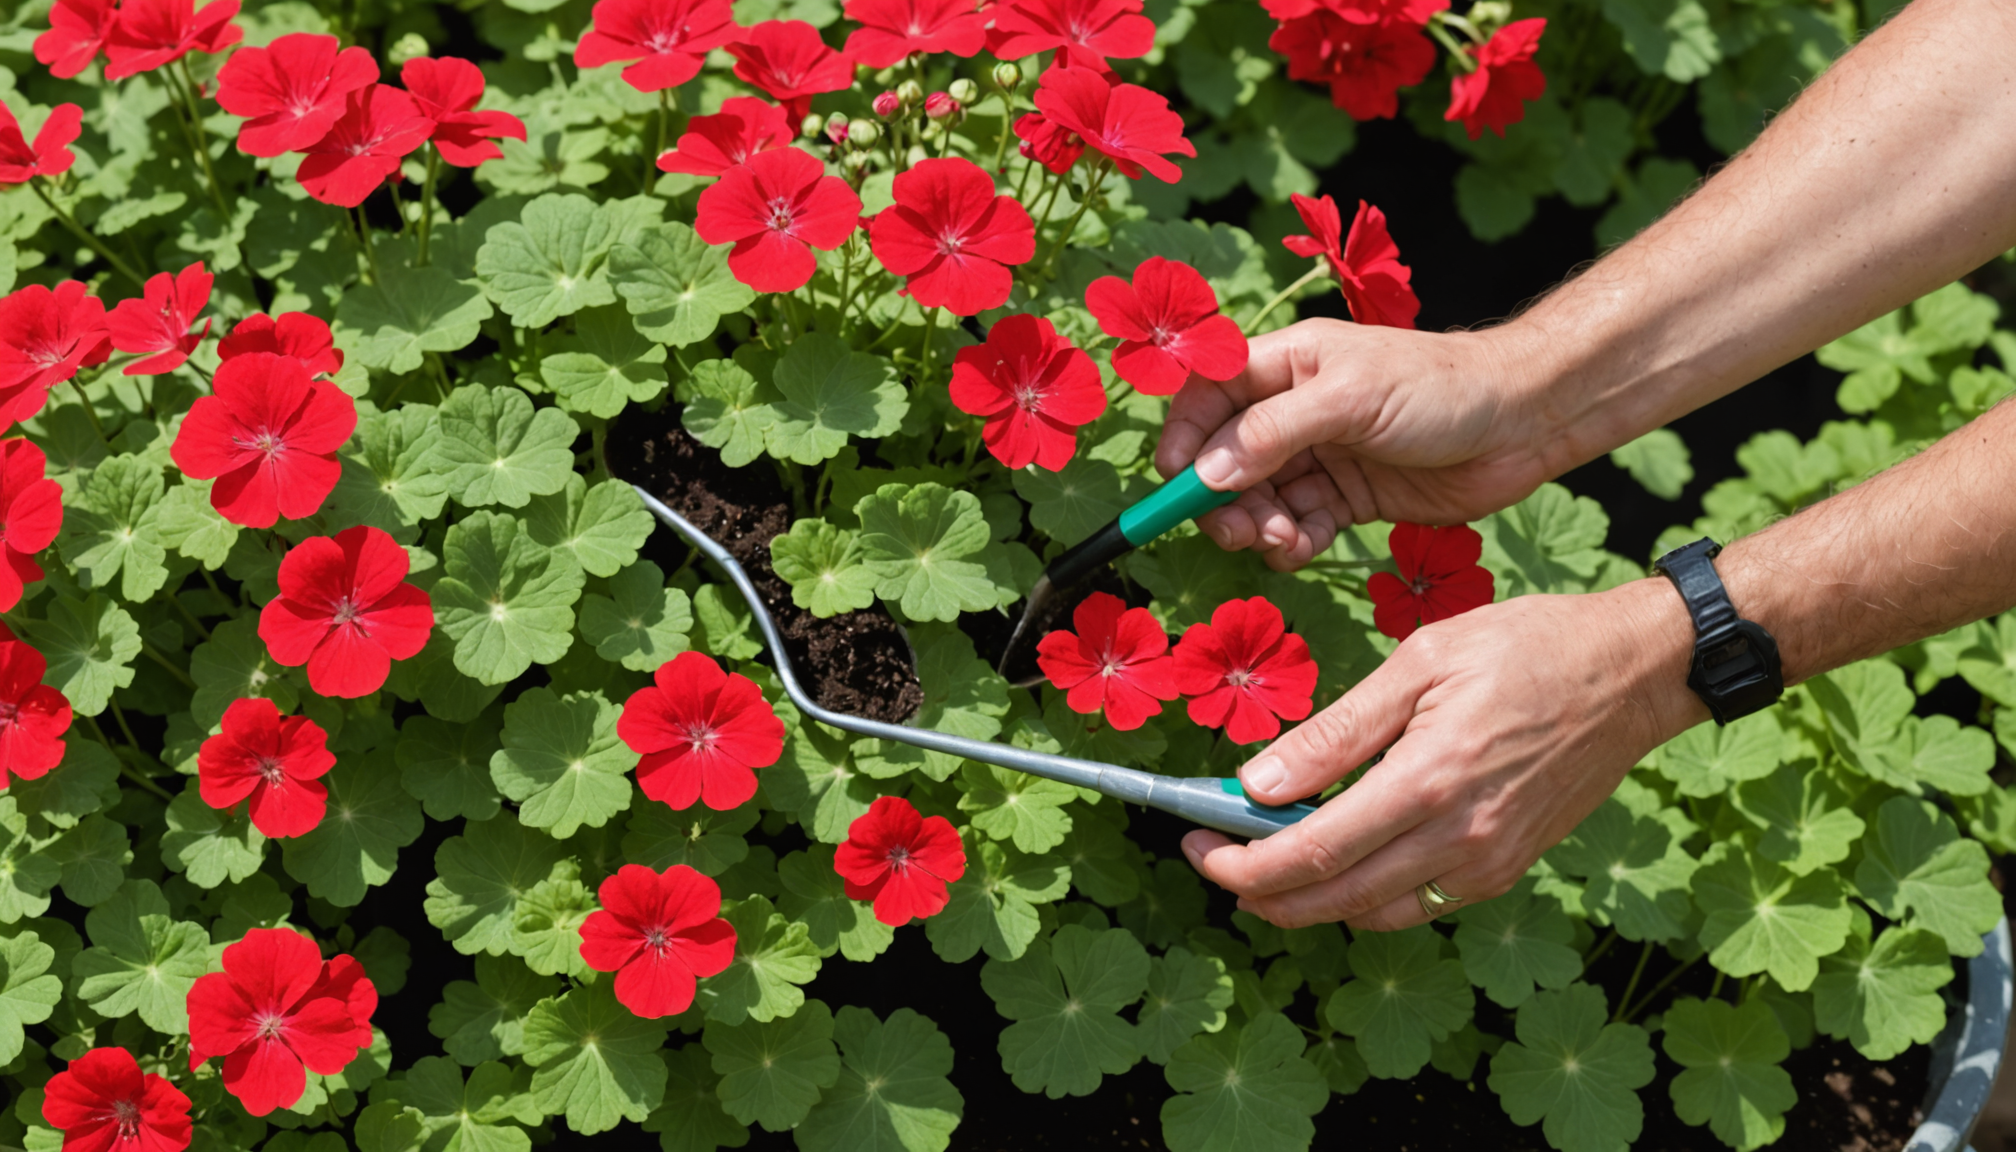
column 856, row 662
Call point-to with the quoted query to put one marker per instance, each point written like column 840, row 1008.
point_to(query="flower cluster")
column 135, row 36
column 1439, row 577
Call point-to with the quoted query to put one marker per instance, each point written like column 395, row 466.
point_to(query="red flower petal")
column 77, row 32
column 1127, row 123
column 713, row 144
column 667, row 38
column 893, row 29
column 1244, row 671
column 292, row 91
column 774, row 208
column 1506, row 78
column 1034, row 389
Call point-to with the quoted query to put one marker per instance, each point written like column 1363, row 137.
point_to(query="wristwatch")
column 1736, row 670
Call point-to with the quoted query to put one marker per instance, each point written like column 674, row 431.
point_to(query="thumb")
column 1326, row 747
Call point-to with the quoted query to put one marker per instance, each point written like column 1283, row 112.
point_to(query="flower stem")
column 91, row 411
column 1457, row 52
column 104, row 253
column 664, row 125
column 1319, row 271
column 199, row 137
column 1070, row 226
column 1644, row 954
column 1007, row 130
column 176, row 600
column 930, row 325
column 364, row 239
column 1664, row 983
column 128, row 771
column 149, row 651
column 427, row 206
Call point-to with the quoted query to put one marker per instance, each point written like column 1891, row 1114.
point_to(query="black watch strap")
column 1735, row 670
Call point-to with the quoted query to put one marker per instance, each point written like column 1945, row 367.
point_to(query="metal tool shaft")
column 1212, row 802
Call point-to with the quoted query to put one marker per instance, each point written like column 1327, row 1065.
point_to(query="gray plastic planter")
column 1968, row 1054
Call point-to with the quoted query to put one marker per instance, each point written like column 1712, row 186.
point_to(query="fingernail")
column 1264, row 774
column 1215, row 467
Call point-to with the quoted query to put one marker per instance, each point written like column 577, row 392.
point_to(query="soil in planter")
column 857, row 662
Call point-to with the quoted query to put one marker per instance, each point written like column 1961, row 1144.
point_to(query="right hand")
column 1333, row 424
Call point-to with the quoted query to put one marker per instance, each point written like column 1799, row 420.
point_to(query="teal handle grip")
column 1184, row 497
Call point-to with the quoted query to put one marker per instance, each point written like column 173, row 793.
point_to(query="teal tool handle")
column 1222, row 804
column 1182, row 498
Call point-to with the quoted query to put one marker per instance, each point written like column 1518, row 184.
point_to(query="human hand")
column 1333, row 424
column 1507, row 725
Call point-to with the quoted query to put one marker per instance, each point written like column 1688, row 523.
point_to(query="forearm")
column 1888, row 178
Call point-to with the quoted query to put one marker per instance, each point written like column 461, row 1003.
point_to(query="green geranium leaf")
column 562, row 762
column 94, row 856
column 392, row 325
column 1637, row 872
column 892, row 1094
column 772, row 1071
column 1804, row 812
column 546, row 924
column 1404, row 997
column 86, row 781
column 816, row 780
column 235, row 665
column 916, row 538
column 1708, row 758
column 1072, row 504
column 1243, row 1090
column 1867, row 706
column 1187, row 994
column 773, row 956
column 1732, row 1079
column 208, row 846
column 823, row 565
column 828, row 393
column 1915, row 864
column 506, row 600
column 963, row 695
column 1066, row 1001
column 596, row 1063
column 601, row 527
column 485, row 1020
column 389, row 467
column 605, row 366
column 141, row 958
column 186, row 521
column 1883, row 998
column 1170, row 905
column 1516, row 943
column 26, row 873
column 1101, row 857
column 815, row 894
column 28, row 995
column 692, row 1119
column 495, row 448
column 1011, row 805
column 356, row 846
column 114, row 531
column 447, row 767
column 1658, row 459
column 1552, row 541
column 676, row 286
column 479, row 878
column 479, row 1115
column 1762, row 918
column 550, row 262
column 643, row 621
column 993, row 906
column 1954, row 759
column 730, row 406
column 1572, row 1070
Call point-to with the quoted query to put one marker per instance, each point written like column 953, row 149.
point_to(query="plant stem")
column 846, row 275
column 1664, row 983
column 427, row 206
column 664, row 125
column 91, row 411
column 200, row 137
column 441, row 374
column 930, row 325
column 1007, row 130
column 1456, row 51
column 1070, row 226
column 1644, row 954
column 1597, row 952
column 96, row 245
column 1320, row 270
column 149, row 651
column 128, row 771
column 212, row 582
column 364, row 239
column 189, row 616
column 1716, row 990
column 119, row 717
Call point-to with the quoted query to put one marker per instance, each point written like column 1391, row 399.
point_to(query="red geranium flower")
column 900, row 860
column 1117, row 662
column 268, row 435
column 33, row 716
column 77, row 33
column 45, row 336
column 1439, row 578
column 102, row 1102
column 31, row 513
column 380, row 125
column 952, row 236
column 660, row 933
column 150, row 33
column 295, row 335
column 787, row 59
column 1365, row 64
column 274, row 760
column 1046, row 143
column 1169, row 325
column 1246, row 671
column 291, row 92
column 1085, row 33
column 702, row 733
column 50, row 155
column 1506, row 78
column 667, row 38
column 276, row 1008
column 775, row 208
column 1357, row 11
column 345, row 611
column 892, row 29
column 158, row 320
column 1127, row 123
column 1033, row 388
column 1367, row 264
column 713, row 144
column 447, row 90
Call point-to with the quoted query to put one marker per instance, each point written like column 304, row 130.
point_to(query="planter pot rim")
column 1968, row 1054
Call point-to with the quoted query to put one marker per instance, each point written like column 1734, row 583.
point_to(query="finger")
column 1394, row 915
column 1274, row 523
column 1319, row 751
column 1230, row 527
column 1380, row 879
column 1203, row 406
column 1314, row 535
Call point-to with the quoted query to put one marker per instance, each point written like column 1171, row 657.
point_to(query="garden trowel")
column 1182, row 497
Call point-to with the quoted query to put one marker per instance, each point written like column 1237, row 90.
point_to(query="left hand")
column 1507, row 725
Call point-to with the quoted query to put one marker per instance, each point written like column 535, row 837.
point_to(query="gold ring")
column 1434, row 901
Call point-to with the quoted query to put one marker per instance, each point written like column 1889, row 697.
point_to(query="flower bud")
column 1488, row 15
column 864, row 133
column 811, row 126
column 939, row 105
column 888, row 104
column 835, row 128
column 965, row 91
column 1007, row 76
column 411, row 46
column 911, row 93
